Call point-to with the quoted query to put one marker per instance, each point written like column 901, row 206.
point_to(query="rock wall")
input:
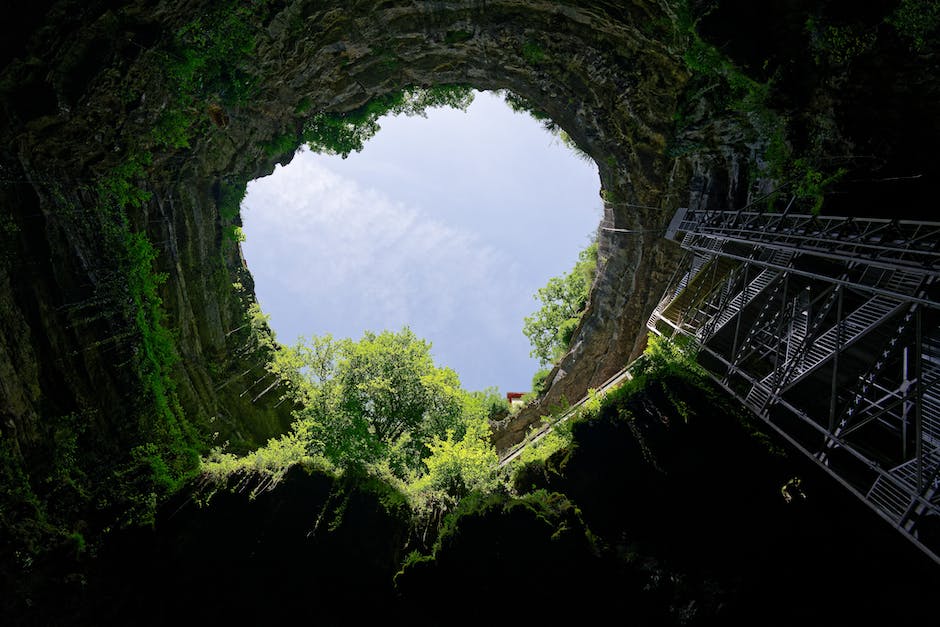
column 84, row 89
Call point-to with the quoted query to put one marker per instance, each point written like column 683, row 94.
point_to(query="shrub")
column 533, row 53
column 917, row 21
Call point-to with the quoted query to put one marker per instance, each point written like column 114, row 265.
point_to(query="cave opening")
column 447, row 222
column 128, row 351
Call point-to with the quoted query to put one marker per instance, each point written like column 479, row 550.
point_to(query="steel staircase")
column 750, row 292
column 864, row 301
column 894, row 496
column 854, row 326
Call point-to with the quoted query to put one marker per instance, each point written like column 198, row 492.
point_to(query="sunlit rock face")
column 84, row 88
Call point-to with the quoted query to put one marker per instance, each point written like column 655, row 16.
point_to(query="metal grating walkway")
column 828, row 329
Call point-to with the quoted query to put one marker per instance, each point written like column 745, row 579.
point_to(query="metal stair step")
column 889, row 498
column 888, row 507
column 758, row 396
column 865, row 316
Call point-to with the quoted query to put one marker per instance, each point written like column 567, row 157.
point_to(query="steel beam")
column 887, row 265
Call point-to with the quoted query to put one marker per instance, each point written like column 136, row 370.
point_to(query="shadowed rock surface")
column 641, row 518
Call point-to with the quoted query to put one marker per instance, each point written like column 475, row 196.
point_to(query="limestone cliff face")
column 86, row 89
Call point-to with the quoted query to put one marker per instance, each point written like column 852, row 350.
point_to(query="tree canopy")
column 343, row 133
column 378, row 403
column 563, row 301
column 364, row 398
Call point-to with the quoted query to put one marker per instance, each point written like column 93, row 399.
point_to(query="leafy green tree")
column 343, row 133
column 458, row 466
column 487, row 403
column 391, row 381
column 563, row 300
column 381, row 396
column 378, row 405
column 540, row 380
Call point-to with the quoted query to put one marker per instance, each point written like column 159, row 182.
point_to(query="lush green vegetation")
column 520, row 105
column 733, row 93
column 665, row 362
column 662, row 358
column 533, row 53
column 801, row 149
column 376, row 406
column 918, row 22
column 376, row 411
column 206, row 66
column 84, row 481
column 563, row 300
column 166, row 448
column 344, row 133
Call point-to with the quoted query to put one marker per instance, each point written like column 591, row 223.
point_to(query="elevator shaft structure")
column 828, row 329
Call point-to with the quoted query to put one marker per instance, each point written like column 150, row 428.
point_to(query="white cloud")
column 329, row 242
column 448, row 224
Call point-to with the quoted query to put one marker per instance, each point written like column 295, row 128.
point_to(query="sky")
column 447, row 224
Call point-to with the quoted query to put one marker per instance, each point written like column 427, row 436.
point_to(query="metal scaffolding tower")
column 828, row 329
